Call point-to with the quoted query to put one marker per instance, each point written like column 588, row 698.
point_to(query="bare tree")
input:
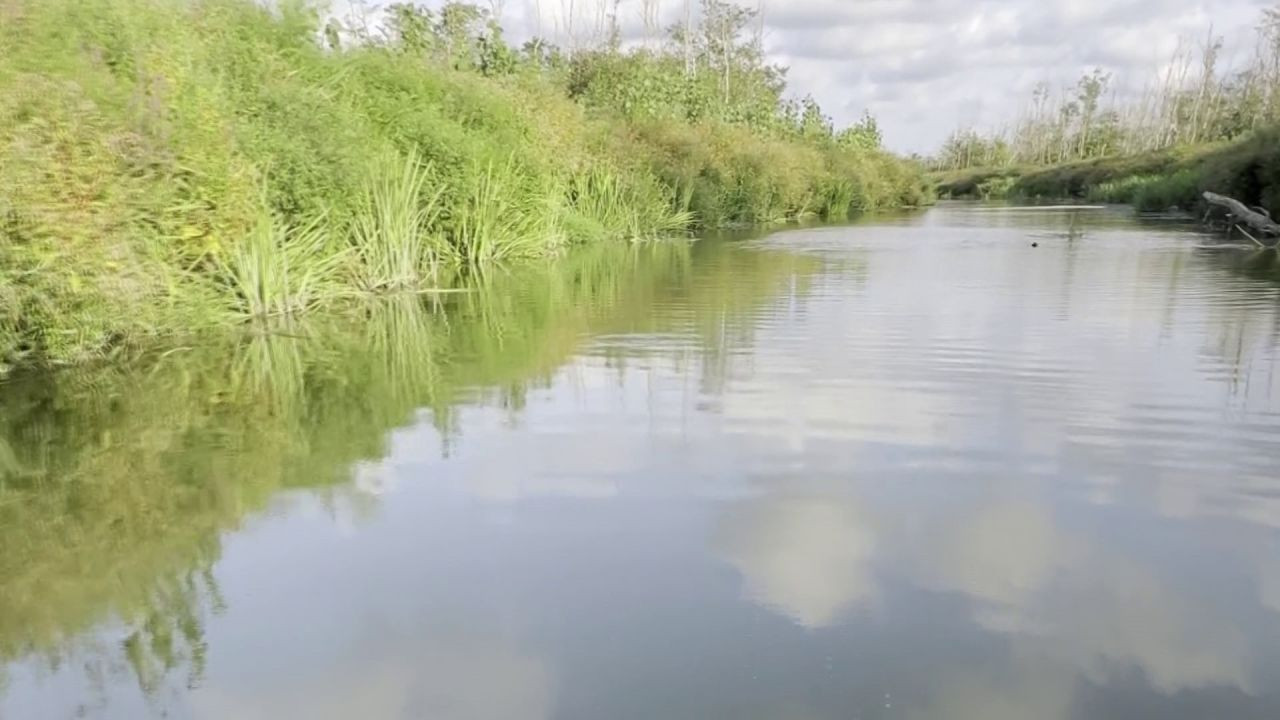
column 688, row 38
column 651, row 19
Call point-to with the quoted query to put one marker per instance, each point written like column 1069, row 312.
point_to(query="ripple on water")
column 906, row 468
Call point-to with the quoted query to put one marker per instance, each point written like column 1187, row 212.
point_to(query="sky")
column 926, row 67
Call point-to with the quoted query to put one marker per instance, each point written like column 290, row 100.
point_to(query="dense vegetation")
column 118, row 481
column 1248, row 169
column 172, row 165
column 1197, row 126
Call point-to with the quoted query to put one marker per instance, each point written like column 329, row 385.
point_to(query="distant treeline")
column 1247, row 169
column 172, row 165
column 1196, row 127
column 1195, row 100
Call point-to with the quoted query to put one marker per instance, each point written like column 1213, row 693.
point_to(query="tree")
column 1088, row 92
column 463, row 35
column 862, row 135
column 813, row 122
column 721, row 46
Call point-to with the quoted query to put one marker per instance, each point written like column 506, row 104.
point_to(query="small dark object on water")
column 1035, row 244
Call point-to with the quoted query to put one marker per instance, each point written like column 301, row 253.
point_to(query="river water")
column 909, row 468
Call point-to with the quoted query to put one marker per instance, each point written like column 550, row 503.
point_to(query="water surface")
column 909, row 468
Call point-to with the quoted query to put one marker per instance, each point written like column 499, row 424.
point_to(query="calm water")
column 911, row 468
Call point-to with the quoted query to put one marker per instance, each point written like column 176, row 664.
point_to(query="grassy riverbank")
column 173, row 165
column 1248, row 170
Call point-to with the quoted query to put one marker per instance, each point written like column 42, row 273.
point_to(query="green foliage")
column 1181, row 189
column 728, row 175
column 460, row 35
column 280, row 270
column 1123, row 190
column 863, row 135
column 175, row 164
column 614, row 204
column 503, row 218
column 1248, row 170
column 1073, row 180
column 394, row 238
column 997, row 186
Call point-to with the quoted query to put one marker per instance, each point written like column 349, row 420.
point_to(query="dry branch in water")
column 1245, row 215
column 1249, row 216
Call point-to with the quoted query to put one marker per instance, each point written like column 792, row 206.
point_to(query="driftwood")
column 1255, row 240
column 1241, row 214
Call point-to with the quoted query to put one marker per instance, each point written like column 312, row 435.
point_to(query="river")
column 913, row 467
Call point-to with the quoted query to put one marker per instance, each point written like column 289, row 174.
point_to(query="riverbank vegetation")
column 173, row 165
column 1248, row 169
column 1198, row 125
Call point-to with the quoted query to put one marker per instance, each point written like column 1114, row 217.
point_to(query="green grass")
column 1181, row 189
column 612, row 204
column 501, row 219
column 173, row 165
column 276, row 270
column 395, row 235
column 1248, row 170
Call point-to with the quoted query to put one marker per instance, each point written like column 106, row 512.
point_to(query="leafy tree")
column 863, row 135
column 813, row 122
column 462, row 35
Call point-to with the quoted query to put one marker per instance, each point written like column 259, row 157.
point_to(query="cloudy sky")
column 924, row 67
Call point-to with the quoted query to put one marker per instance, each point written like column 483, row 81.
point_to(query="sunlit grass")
column 276, row 270
column 624, row 211
column 503, row 218
column 394, row 235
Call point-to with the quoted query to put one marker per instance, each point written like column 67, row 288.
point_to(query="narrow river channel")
column 912, row 467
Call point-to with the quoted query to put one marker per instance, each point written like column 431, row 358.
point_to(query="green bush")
column 1248, row 171
column 1179, row 190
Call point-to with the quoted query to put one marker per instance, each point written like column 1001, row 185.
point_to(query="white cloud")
column 451, row 682
column 926, row 66
column 807, row 557
column 1062, row 597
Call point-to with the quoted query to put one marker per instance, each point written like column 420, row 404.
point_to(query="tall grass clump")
column 504, row 216
column 1180, row 189
column 278, row 270
column 626, row 207
column 394, row 235
column 1122, row 190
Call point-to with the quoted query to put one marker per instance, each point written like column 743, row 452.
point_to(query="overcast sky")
column 924, row 67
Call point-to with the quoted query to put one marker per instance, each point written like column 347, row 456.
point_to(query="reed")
column 504, row 218
column 394, row 236
column 278, row 270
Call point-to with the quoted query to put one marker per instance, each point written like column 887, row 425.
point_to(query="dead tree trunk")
column 1244, row 215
